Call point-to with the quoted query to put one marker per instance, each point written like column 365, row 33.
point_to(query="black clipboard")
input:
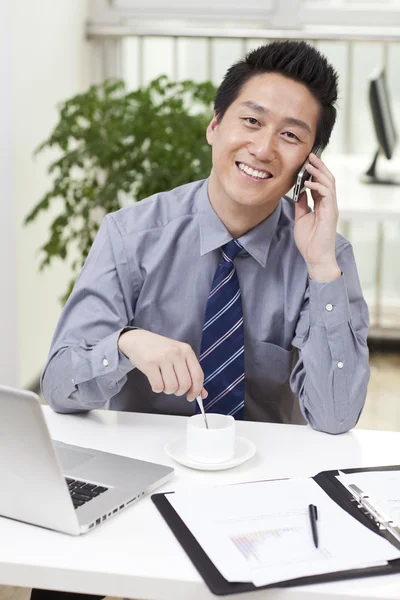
column 336, row 491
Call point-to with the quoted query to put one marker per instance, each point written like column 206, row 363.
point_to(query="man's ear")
column 211, row 129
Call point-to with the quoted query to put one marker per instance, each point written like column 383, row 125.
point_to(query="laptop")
column 58, row 486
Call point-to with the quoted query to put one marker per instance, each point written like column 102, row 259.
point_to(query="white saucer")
column 244, row 449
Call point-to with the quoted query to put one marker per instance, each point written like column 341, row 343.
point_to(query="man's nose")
column 263, row 146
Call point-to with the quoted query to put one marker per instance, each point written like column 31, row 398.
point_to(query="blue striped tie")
column 222, row 344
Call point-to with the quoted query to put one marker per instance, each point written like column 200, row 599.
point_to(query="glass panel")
column 224, row 54
column 391, row 275
column 158, row 58
column 363, row 237
column 193, row 59
column 253, row 43
column 130, row 68
column 336, row 53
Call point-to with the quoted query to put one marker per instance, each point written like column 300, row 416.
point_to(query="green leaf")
column 113, row 144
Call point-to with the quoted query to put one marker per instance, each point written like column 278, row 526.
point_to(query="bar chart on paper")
column 255, row 544
column 280, row 545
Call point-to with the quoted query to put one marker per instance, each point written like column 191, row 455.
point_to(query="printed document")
column 260, row 532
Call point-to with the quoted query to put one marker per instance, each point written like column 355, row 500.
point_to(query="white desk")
column 135, row 554
column 359, row 201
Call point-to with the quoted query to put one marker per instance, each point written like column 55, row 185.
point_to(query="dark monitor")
column 384, row 126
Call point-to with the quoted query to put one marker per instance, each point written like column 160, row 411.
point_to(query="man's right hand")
column 170, row 366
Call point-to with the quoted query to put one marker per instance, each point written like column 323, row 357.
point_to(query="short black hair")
column 295, row 60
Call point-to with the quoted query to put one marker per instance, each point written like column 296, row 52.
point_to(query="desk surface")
column 135, row 554
column 361, row 201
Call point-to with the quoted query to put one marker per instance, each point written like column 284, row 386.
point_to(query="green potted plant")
column 118, row 147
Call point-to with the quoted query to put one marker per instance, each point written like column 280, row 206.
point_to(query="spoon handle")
column 200, row 403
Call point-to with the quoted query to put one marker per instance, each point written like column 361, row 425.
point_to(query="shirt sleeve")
column 331, row 375
column 85, row 368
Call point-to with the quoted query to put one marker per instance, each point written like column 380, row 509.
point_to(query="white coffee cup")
column 213, row 445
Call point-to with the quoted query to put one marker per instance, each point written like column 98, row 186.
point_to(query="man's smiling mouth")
column 254, row 173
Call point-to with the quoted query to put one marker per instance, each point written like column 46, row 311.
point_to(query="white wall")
column 277, row 14
column 8, row 312
column 51, row 62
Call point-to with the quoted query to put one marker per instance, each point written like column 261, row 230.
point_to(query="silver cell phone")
column 303, row 176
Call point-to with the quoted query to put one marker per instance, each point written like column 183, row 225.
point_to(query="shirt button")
column 105, row 362
column 329, row 307
column 73, row 381
column 340, row 365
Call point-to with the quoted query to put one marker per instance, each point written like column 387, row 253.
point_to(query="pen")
column 313, row 514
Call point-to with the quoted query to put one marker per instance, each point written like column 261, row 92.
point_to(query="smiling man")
column 225, row 287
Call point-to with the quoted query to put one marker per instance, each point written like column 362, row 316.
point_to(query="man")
column 224, row 287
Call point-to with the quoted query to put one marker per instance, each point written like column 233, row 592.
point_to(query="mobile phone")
column 303, row 176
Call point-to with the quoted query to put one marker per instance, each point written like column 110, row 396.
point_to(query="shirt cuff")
column 329, row 303
column 107, row 359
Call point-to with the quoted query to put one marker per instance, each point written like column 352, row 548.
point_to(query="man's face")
column 261, row 142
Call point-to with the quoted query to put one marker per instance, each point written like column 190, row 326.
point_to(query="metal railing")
column 350, row 34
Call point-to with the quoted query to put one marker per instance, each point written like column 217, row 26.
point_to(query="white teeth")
column 253, row 172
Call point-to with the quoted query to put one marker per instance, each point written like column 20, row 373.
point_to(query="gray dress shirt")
column 152, row 265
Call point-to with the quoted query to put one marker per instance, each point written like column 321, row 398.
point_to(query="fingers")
column 171, row 384
column 204, row 393
column 323, row 190
column 153, row 374
column 322, row 175
column 324, row 200
column 170, row 366
column 319, row 175
column 322, row 186
column 197, row 377
column 301, row 207
column 183, row 377
column 180, row 375
column 321, row 166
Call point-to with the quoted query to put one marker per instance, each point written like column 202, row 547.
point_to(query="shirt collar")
column 213, row 233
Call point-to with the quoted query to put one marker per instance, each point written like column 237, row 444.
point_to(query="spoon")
column 200, row 403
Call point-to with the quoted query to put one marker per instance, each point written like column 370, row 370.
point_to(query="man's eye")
column 251, row 121
column 291, row 136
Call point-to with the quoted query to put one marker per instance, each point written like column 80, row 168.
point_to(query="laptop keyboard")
column 82, row 491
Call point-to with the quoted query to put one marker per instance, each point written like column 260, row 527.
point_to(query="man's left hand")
column 315, row 232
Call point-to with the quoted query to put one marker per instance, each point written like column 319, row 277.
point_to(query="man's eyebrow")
column 256, row 107
column 288, row 121
column 299, row 123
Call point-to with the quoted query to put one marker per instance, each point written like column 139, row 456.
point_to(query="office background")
column 50, row 51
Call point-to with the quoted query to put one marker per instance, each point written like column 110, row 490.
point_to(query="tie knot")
column 231, row 250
